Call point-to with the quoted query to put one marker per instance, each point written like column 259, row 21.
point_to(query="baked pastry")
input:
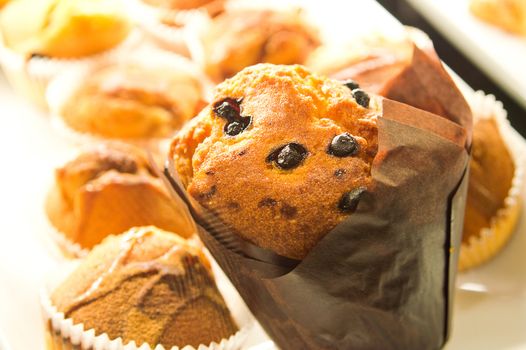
column 131, row 100
column 509, row 15
column 492, row 208
column 63, row 28
column 106, row 190
column 303, row 144
column 147, row 286
column 240, row 38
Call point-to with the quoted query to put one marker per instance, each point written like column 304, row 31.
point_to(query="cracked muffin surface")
column 131, row 100
column 281, row 155
column 149, row 286
column 107, row 189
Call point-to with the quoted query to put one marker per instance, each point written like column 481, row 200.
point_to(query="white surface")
column 500, row 54
column 29, row 150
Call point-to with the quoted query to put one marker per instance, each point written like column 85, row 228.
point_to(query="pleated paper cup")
column 64, row 334
column 31, row 76
column 491, row 240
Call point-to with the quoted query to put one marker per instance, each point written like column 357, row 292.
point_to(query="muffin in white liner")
column 105, row 189
column 481, row 248
column 64, row 333
column 61, row 90
column 30, row 77
column 155, row 21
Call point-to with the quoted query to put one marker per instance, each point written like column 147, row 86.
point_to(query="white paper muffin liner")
column 491, row 239
column 62, row 333
column 30, row 78
column 149, row 19
column 68, row 82
column 68, row 248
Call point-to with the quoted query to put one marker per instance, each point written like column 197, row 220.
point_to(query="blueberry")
column 289, row 156
column 349, row 201
column 236, row 127
column 343, row 145
column 351, row 84
column 228, row 109
column 361, row 97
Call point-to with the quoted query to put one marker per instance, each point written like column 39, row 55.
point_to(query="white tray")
column 494, row 318
column 499, row 54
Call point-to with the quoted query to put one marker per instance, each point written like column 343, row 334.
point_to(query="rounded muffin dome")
column 148, row 286
column 301, row 144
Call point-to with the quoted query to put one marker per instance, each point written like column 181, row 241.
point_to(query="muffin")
column 133, row 100
column 493, row 200
column 146, row 286
column 63, row 28
column 509, row 15
column 106, row 190
column 242, row 37
column 301, row 143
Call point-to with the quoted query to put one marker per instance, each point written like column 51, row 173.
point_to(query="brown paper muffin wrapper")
column 173, row 38
column 30, row 77
column 64, row 334
column 383, row 278
column 492, row 239
column 68, row 82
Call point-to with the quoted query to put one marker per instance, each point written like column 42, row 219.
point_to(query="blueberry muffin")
column 63, row 29
column 281, row 155
column 239, row 38
column 106, row 190
column 509, row 15
column 148, row 286
column 128, row 100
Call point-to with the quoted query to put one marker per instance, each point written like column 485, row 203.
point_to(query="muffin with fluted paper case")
column 139, row 99
column 39, row 39
column 145, row 288
column 308, row 188
column 496, row 175
column 105, row 190
column 241, row 37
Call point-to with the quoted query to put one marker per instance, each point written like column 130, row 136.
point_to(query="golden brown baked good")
column 240, row 38
column 302, row 145
column 106, row 190
column 132, row 100
column 509, row 15
column 491, row 175
column 146, row 285
column 63, row 28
